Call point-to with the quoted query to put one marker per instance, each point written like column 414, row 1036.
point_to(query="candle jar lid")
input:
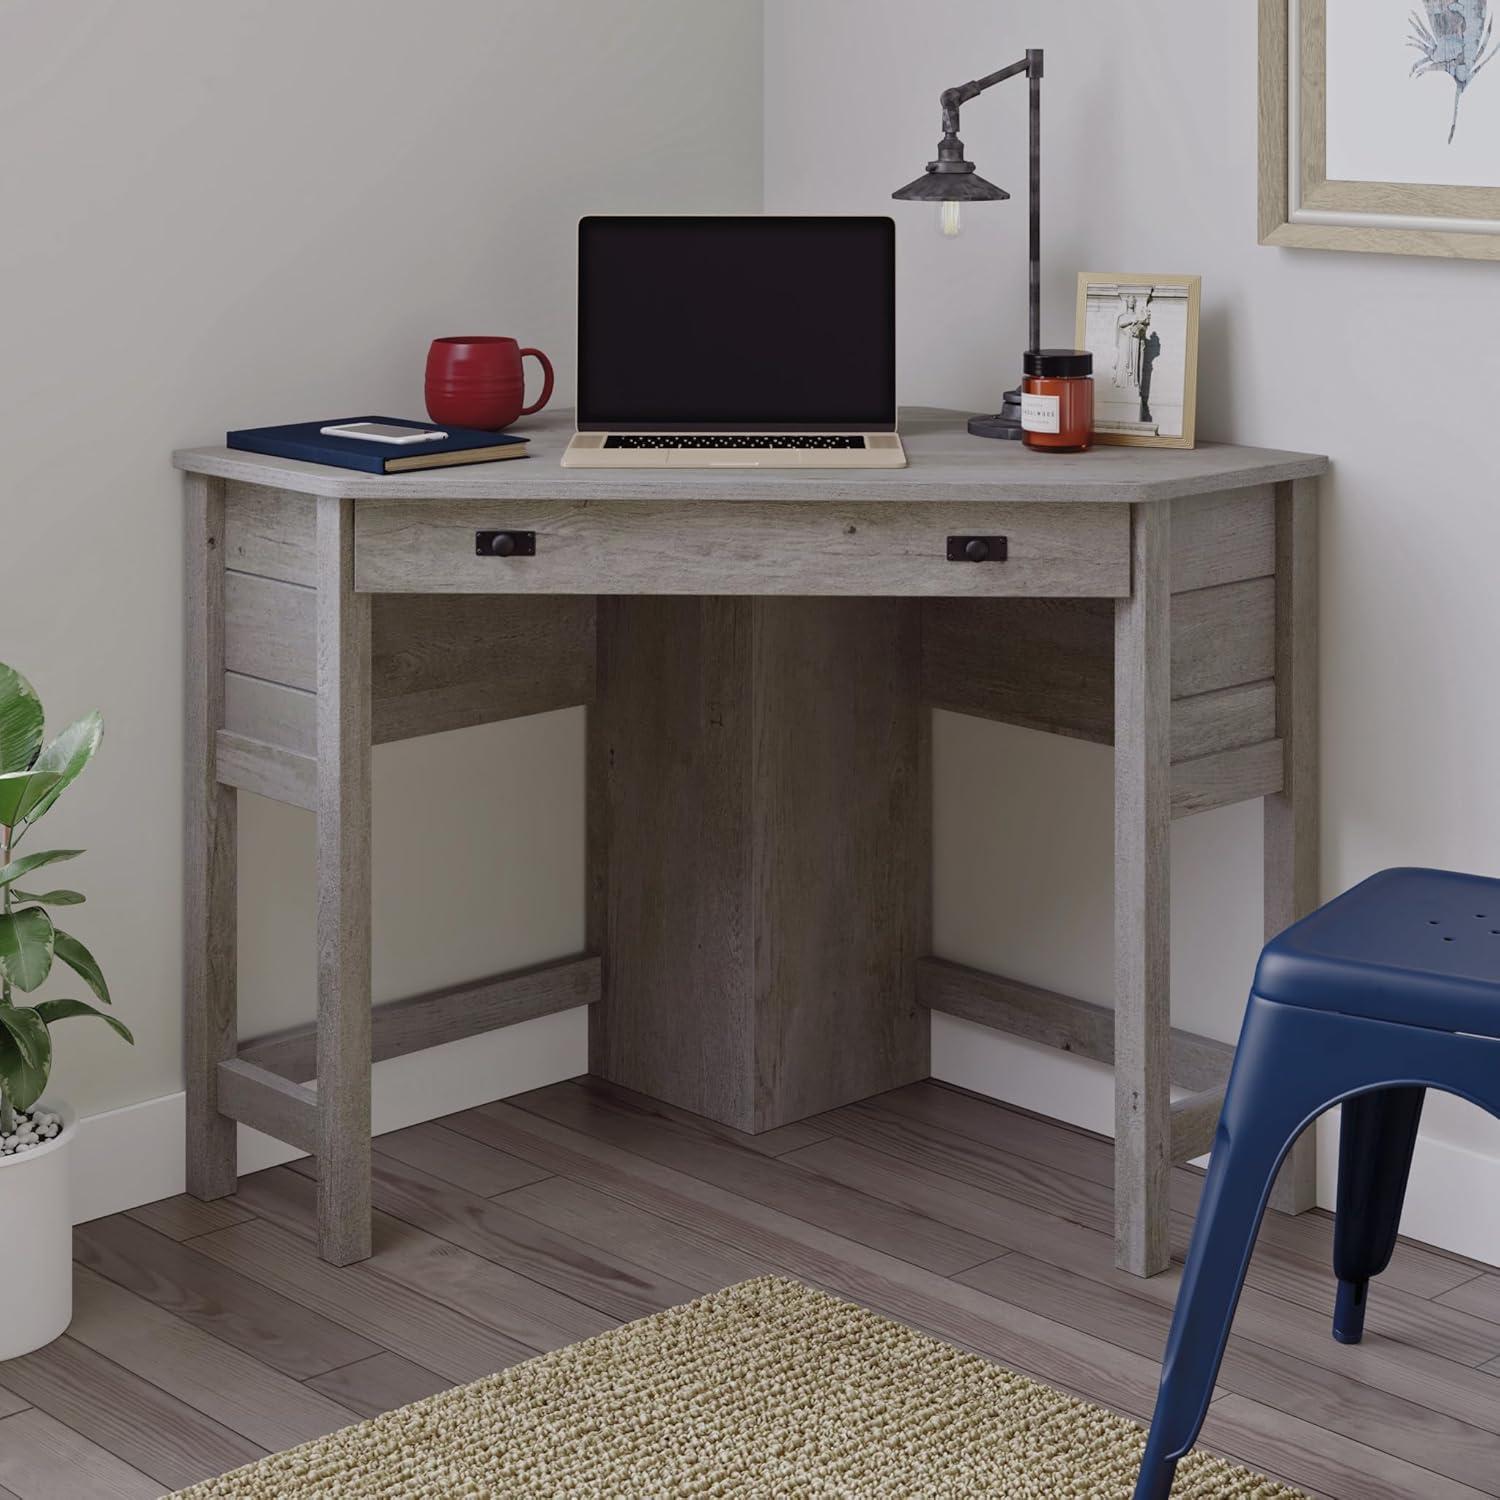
column 1060, row 364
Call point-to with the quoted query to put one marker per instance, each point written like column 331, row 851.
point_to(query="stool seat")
column 1416, row 947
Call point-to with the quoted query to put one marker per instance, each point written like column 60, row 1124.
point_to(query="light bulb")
column 949, row 222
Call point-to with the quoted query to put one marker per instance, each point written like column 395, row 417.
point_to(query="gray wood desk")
column 759, row 651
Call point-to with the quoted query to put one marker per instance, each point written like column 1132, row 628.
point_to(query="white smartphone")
column 383, row 432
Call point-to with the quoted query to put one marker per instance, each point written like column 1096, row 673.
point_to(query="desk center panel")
column 760, row 817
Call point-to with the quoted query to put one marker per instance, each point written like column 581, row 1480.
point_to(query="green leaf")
column 23, row 1082
column 59, row 1010
column 28, row 862
column 81, row 961
column 26, row 945
column 20, row 721
column 49, row 898
column 29, row 1032
column 67, row 755
column 20, row 791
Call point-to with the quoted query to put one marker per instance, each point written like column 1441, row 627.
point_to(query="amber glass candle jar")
column 1057, row 400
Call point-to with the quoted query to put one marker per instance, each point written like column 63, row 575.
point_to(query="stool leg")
column 1376, row 1140
column 1261, row 1119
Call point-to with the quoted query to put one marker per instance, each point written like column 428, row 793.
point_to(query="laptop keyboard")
column 735, row 440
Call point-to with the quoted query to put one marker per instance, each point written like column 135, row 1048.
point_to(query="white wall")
column 1391, row 365
column 254, row 211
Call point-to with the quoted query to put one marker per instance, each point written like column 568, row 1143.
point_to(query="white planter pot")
column 36, row 1231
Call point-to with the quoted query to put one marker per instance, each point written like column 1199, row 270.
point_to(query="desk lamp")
column 951, row 181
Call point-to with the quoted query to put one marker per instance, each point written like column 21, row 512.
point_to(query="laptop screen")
column 737, row 324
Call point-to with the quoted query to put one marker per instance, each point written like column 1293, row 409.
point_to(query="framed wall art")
column 1380, row 126
column 1143, row 334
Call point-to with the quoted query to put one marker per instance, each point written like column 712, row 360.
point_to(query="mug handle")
column 546, row 395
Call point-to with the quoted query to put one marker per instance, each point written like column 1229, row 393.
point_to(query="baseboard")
column 126, row 1157
column 134, row 1155
column 1452, row 1202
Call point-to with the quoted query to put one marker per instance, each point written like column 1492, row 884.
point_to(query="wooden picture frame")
column 1127, row 372
column 1301, row 207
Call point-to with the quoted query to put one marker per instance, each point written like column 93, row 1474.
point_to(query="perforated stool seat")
column 1388, row 990
column 1418, row 947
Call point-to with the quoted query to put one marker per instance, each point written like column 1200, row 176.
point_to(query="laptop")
column 736, row 342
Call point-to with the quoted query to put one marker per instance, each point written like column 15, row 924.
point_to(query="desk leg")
column 210, row 1001
column 343, row 818
column 1291, row 815
column 1142, row 894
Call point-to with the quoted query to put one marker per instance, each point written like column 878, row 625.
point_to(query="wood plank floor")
column 208, row 1334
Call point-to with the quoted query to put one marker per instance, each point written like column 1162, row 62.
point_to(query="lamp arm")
column 950, row 148
column 1031, row 65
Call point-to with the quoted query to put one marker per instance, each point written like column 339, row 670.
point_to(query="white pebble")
column 33, row 1128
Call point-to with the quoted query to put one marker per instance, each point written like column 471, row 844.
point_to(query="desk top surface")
column 945, row 463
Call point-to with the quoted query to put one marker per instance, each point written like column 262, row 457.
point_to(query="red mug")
column 478, row 382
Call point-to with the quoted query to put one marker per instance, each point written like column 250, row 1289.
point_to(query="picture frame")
column 1362, row 147
column 1143, row 333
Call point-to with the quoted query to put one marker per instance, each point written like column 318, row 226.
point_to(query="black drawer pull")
column 977, row 549
column 505, row 544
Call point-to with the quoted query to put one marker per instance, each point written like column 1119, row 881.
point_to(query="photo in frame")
column 1143, row 334
column 1380, row 126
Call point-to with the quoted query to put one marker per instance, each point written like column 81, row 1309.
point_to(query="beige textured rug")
column 766, row 1389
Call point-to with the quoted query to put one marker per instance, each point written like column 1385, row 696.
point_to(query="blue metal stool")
column 1389, row 990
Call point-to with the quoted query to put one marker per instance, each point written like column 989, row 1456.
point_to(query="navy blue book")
column 305, row 440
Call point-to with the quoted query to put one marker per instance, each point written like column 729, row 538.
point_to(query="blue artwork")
column 1457, row 38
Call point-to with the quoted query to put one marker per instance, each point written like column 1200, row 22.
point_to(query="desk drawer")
column 742, row 547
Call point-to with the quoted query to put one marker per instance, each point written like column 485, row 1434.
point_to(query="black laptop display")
column 736, row 324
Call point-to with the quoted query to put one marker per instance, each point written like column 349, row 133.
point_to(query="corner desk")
column 759, row 651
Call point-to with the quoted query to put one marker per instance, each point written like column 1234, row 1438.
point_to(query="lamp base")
column 1005, row 424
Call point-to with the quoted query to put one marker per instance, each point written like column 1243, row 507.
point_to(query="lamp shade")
column 938, row 186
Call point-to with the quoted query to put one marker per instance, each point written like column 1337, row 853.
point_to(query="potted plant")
column 36, row 1290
